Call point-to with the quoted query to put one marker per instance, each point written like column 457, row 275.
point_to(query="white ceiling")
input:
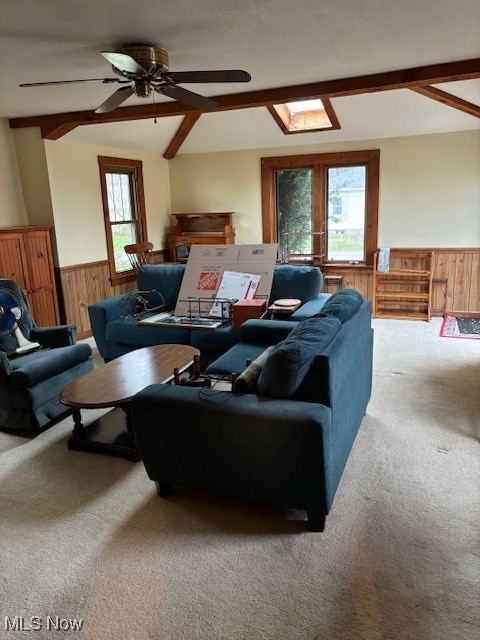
column 279, row 43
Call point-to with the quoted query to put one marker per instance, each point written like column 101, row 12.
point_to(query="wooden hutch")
column 26, row 258
column 215, row 227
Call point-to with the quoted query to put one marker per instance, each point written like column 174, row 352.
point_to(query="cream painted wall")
column 429, row 187
column 12, row 207
column 77, row 199
column 32, row 165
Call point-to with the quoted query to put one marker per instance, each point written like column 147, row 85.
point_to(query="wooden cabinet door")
column 13, row 263
column 42, row 292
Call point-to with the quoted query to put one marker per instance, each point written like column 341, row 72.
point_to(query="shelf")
column 403, row 282
column 403, row 295
column 402, row 315
column 404, row 292
column 403, row 272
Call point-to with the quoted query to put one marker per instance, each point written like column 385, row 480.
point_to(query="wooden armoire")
column 26, row 257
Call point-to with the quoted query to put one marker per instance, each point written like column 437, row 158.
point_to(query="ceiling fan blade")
column 123, row 61
column 187, row 97
column 41, row 84
column 115, row 100
column 225, row 75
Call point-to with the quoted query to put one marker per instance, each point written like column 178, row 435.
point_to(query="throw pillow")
column 247, row 380
column 285, row 368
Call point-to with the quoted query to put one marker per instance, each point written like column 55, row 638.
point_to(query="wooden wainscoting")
column 81, row 285
column 456, row 285
column 460, row 268
column 359, row 278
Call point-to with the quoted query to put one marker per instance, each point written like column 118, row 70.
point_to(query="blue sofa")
column 282, row 436
column 115, row 333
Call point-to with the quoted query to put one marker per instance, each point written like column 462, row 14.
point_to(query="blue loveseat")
column 117, row 333
column 285, row 435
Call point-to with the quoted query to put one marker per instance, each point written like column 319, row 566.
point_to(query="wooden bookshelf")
column 405, row 290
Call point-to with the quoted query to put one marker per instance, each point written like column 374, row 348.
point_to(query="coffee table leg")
column 128, row 422
column 78, row 428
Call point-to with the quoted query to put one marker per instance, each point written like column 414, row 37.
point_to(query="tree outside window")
column 323, row 207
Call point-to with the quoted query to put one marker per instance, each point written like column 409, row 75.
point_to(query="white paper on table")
column 235, row 286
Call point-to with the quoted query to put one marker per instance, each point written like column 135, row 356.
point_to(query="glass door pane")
column 346, row 198
column 294, row 203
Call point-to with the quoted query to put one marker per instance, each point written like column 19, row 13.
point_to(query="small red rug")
column 460, row 327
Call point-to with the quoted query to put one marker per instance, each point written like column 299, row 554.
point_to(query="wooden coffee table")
column 113, row 385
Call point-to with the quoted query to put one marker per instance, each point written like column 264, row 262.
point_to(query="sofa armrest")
column 101, row 313
column 272, row 450
column 265, row 332
column 60, row 336
column 5, row 368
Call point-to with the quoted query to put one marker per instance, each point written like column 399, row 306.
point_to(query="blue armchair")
column 30, row 384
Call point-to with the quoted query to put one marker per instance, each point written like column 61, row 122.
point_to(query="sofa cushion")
column 290, row 360
column 247, row 380
column 30, row 369
column 129, row 332
column 296, row 282
column 317, row 330
column 310, row 308
column 164, row 278
column 342, row 304
column 219, row 340
column 234, row 360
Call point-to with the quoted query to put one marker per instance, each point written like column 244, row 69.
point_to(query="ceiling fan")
column 145, row 68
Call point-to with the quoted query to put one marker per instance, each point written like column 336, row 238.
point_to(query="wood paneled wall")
column 83, row 284
column 456, row 285
column 461, row 270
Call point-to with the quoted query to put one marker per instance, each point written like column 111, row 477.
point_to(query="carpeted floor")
column 85, row 535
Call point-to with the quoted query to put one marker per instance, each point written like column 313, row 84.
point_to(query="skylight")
column 305, row 116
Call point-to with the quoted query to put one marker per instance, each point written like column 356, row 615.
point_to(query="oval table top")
column 116, row 382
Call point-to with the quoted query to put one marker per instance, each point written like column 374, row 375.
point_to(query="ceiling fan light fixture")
column 143, row 89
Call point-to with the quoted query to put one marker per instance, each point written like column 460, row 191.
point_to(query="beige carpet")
column 85, row 536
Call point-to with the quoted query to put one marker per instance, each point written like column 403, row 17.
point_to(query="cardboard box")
column 206, row 265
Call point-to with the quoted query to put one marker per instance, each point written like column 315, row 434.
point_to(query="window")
column 124, row 211
column 322, row 207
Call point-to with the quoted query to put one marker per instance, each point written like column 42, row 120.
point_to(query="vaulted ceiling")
column 390, row 69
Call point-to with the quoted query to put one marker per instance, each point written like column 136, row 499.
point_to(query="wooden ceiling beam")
column 56, row 125
column 449, row 99
column 182, row 132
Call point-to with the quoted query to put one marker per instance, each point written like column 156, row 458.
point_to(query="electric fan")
column 10, row 314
